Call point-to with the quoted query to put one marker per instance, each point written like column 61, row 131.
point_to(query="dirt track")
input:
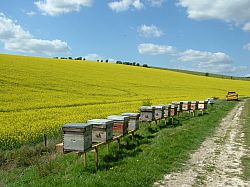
column 218, row 161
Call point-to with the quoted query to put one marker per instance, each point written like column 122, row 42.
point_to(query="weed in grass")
column 210, row 168
column 200, row 179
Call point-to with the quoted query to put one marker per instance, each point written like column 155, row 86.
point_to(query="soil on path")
column 218, row 161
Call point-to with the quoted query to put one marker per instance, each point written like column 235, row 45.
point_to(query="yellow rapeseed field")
column 38, row 95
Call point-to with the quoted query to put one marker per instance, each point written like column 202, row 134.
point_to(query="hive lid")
column 76, row 125
column 186, row 102
column 131, row 114
column 177, row 102
column 194, row 102
column 147, row 107
column 159, row 107
column 100, row 121
column 118, row 118
column 173, row 106
column 165, row 105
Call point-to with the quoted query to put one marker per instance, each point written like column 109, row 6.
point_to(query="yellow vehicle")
column 231, row 96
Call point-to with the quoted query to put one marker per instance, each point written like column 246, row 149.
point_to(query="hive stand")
column 95, row 147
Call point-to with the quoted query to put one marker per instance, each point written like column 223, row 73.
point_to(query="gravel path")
column 218, row 161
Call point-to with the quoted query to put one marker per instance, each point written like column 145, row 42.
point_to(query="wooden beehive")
column 194, row 105
column 159, row 112
column 133, row 122
column 173, row 110
column 167, row 111
column 120, row 126
column 186, row 106
column 102, row 130
column 202, row 105
column 147, row 114
column 77, row 137
column 179, row 105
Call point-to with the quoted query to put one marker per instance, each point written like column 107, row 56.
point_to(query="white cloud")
column 56, row 7
column 247, row 46
column 152, row 49
column 149, row 31
column 93, row 56
column 233, row 11
column 156, row 3
column 31, row 13
column 15, row 38
column 124, row 5
column 246, row 27
column 210, row 62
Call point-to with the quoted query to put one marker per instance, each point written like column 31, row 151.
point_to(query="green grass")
column 246, row 130
column 155, row 152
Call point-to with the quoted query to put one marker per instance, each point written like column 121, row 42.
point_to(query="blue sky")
column 208, row 36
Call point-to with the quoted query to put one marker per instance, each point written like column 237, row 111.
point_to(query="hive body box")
column 159, row 112
column 133, row 122
column 179, row 105
column 194, row 105
column 186, row 105
column 77, row 137
column 120, row 126
column 147, row 113
column 202, row 105
column 102, row 130
column 173, row 110
column 167, row 111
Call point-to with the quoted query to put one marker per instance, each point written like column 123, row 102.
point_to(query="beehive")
column 77, row 137
column 102, row 130
column 202, row 105
column 186, row 106
column 120, row 126
column 194, row 105
column 159, row 112
column 173, row 110
column 179, row 105
column 167, row 111
column 147, row 113
column 133, row 122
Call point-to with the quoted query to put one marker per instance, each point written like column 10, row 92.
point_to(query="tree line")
column 117, row 62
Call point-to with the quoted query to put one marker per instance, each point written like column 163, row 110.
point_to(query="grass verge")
column 155, row 152
column 246, row 130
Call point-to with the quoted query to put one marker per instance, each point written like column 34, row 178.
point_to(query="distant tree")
column 97, row 60
column 107, row 61
column 145, row 65
column 84, row 59
column 126, row 63
column 137, row 64
column 56, row 57
column 134, row 63
column 118, row 62
column 101, row 60
column 78, row 58
column 70, row 58
column 207, row 74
